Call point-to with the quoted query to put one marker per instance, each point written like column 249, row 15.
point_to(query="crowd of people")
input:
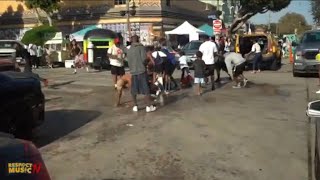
column 152, row 68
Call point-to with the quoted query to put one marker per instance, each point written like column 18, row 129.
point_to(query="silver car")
column 190, row 50
column 305, row 54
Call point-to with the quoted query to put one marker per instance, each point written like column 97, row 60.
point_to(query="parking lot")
column 255, row 133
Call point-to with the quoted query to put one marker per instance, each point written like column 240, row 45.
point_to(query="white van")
column 58, row 47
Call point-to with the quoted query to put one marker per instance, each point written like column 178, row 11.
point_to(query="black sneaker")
column 213, row 88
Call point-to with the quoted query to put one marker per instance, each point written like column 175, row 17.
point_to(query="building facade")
column 152, row 17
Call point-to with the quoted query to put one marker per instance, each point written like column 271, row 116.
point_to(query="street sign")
column 217, row 26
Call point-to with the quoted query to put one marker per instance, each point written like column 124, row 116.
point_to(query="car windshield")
column 192, row 45
column 311, row 37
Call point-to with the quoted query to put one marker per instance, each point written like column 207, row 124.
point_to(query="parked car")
column 25, row 153
column 8, row 46
column 305, row 53
column 190, row 50
column 313, row 110
column 271, row 51
column 22, row 103
column 8, row 65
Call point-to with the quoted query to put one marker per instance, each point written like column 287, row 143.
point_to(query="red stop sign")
column 217, row 24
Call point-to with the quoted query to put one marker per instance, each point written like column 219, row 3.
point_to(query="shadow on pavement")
column 59, row 123
column 55, row 86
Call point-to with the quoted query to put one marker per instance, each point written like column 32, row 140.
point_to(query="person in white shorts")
column 199, row 72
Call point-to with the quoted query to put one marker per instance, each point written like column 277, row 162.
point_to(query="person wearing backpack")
column 169, row 66
column 159, row 61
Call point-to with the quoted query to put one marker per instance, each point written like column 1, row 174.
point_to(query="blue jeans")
column 257, row 61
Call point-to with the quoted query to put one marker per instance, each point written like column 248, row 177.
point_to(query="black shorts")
column 169, row 68
column 159, row 68
column 139, row 84
column 119, row 71
column 238, row 70
column 210, row 70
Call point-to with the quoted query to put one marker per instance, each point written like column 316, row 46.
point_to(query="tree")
column 315, row 11
column 39, row 35
column 249, row 8
column 291, row 22
column 47, row 6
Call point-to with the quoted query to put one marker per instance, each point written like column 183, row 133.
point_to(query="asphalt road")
column 256, row 133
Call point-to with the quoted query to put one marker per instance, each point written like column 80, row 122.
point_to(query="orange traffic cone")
column 290, row 55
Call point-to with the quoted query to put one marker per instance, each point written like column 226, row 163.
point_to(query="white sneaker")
column 318, row 92
column 158, row 92
column 150, row 108
column 237, row 86
column 245, row 81
column 135, row 109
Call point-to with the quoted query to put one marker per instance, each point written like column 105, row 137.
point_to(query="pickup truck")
column 8, row 60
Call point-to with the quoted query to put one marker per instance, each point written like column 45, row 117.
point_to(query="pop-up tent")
column 187, row 29
column 78, row 36
column 207, row 29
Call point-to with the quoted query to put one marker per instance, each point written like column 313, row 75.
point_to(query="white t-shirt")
column 32, row 50
column 115, row 51
column 183, row 60
column 208, row 49
column 256, row 48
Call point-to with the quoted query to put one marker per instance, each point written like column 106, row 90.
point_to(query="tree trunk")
column 48, row 16
column 241, row 19
column 38, row 16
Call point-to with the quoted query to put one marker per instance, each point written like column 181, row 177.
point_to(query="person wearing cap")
column 116, row 56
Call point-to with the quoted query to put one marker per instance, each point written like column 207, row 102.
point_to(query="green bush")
column 39, row 35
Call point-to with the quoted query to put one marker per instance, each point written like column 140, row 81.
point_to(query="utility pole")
column 128, row 18
column 269, row 26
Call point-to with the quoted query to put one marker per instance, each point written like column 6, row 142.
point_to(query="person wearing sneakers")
column 210, row 51
column 256, row 49
column 139, row 82
column 236, row 64
column 116, row 56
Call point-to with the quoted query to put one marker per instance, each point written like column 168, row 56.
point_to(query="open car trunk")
column 246, row 42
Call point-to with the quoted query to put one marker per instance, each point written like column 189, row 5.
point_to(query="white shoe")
column 158, row 92
column 245, row 81
column 318, row 92
column 87, row 69
column 236, row 87
column 150, row 108
column 135, row 109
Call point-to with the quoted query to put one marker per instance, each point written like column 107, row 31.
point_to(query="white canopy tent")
column 187, row 29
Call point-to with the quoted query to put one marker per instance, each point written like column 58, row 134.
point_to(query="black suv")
column 22, row 103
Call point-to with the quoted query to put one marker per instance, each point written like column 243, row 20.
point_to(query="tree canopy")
column 48, row 6
column 315, row 10
column 249, row 8
column 39, row 35
column 291, row 22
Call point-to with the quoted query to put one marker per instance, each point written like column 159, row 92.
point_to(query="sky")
column 298, row 6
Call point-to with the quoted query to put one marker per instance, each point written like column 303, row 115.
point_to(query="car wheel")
column 295, row 74
column 275, row 65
